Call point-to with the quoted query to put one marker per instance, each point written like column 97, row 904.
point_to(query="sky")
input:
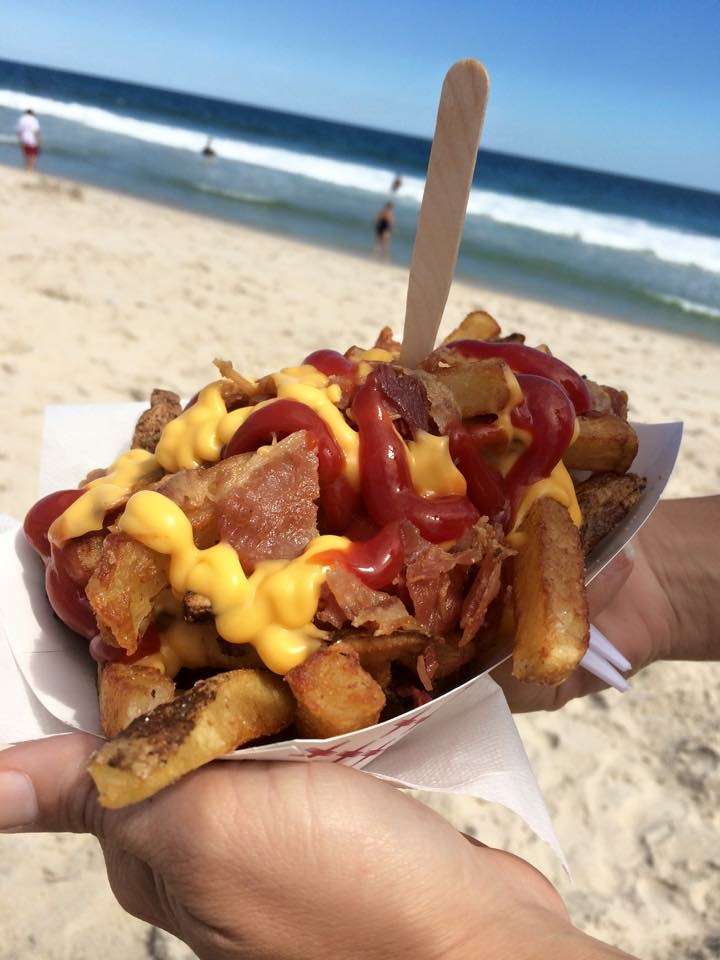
column 630, row 86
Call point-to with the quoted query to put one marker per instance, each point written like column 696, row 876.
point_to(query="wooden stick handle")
column 442, row 214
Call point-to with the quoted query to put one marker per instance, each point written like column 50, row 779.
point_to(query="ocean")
column 640, row 250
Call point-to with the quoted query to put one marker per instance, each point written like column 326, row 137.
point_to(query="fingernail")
column 629, row 551
column 18, row 802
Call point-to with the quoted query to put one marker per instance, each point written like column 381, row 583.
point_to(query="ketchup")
column 386, row 481
column 484, row 483
column 283, row 417
column 42, row 515
column 522, row 359
column 67, row 598
column 106, row 653
column 549, row 415
column 331, row 363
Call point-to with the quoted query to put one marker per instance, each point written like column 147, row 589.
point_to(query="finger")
column 44, row 786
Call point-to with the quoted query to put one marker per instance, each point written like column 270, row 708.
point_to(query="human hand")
column 658, row 600
column 294, row 860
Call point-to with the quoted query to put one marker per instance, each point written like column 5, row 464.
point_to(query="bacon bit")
column 407, row 394
column 427, row 665
column 228, row 371
column 483, row 591
column 363, row 605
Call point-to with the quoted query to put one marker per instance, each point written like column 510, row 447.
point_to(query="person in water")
column 396, row 184
column 28, row 134
column 208, row 149
column 384, row 223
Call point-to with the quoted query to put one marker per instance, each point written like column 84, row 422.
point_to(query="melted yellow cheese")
column 433, row 472
column 558, row 486
column 88, row 512
column 272, row 609
column 377, row 355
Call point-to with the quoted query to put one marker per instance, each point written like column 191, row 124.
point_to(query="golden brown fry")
column 81, row 555
column 377, row 653
column 551, row 614
column 477, row 325
column 604, row 443
column 126, row 691
column 478, row 386
column 123, row 587
column 216, row 716
column 334, row 694
column 606, row 399
column 605, row 499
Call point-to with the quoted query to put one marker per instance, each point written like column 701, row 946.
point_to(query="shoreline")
column 655, row 314
column 106, row 297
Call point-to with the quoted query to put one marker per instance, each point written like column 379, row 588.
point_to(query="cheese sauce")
column 272, row 609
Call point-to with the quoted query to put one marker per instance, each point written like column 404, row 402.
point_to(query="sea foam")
column 589, row 227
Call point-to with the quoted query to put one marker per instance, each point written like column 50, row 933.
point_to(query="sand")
column 105, row 297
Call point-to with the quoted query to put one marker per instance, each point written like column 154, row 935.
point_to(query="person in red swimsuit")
column 28, row 134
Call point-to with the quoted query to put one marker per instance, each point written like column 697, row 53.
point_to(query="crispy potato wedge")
column 334, row 694
column 122, row 589
column 377, row 653
column 551, row 613
column 605, row 499
column 477, row 325
column 606, row 399
column 604, row 443
column 213, row 718
column 478, row 386
column 81, row 555
column 126, row 691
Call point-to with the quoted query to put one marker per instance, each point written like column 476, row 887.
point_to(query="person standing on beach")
column 384, row 223
column 28, row 134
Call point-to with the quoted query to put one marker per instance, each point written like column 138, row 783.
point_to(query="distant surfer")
column 28, row 134
column 208, row 150
column 384, row 223
column 396, row 184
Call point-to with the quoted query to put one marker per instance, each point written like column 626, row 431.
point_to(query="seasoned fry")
column 604, row 443
column 123, row 587
column 551, row 614
column 607, row 399
column 605, row 499
column 126, row 691
column 334, row 694
column 377, row 653
column 477, row 325
column 478, row 386
column 216, row 716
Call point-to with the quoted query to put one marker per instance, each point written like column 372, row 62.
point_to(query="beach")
column 105, row 297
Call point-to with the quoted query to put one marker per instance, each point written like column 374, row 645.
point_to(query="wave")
column 689, row 306
column 587, row 226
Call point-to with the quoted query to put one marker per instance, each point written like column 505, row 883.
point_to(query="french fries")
column 477, row 325
column 237, row 608
column 478, row 386
column 123, row 587
column 126, row 691
column 551, row 613
column 605, row 442
column 605, row 500
column 334, row 694
column 216, row 716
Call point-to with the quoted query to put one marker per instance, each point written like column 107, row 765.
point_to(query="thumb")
column 44, row 786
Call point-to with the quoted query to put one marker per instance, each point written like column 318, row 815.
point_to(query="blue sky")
column 631, row 86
